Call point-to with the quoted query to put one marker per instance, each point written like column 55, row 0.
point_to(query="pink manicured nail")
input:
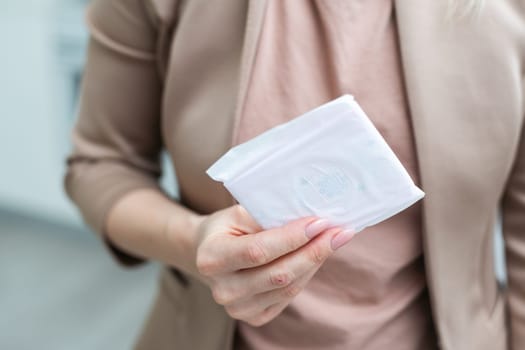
column 316, row 227
column 342, row 238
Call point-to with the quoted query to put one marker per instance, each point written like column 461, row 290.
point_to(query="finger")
column 263, row 247
column 342, row 238
column 241, row 222
column 260, row 317
column 245, row 284
column 267, row 315
column 253, row 305
column 284, row 271
column 286, row 293
column 214, row 240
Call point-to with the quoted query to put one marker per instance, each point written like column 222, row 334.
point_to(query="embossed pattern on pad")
column 330, row 162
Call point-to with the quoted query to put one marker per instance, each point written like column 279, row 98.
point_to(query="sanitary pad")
column 330, row 162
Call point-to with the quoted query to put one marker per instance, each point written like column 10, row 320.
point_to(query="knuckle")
column 317, row 254
column 235, row 312
column 237, row 208
column 257, row 321
column 255, row 254
column 280, row 278
column 291, row 291
column 262, row 318
column 207, row 266
column 238, row 211
column 222, row 296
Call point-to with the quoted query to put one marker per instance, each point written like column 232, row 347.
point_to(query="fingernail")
column 342, row 238
column 316, row 227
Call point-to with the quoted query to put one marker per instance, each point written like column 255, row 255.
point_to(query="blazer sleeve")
column 513, row 216
column 117, row 136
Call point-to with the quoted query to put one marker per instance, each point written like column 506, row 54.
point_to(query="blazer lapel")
column 254, row 22
column 461, row 93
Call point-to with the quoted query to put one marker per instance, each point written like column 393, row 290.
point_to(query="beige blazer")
column 179, row 70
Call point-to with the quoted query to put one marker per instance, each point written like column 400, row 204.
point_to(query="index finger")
column 263, row 247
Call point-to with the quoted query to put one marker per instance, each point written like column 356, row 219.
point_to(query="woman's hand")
column 255, row 274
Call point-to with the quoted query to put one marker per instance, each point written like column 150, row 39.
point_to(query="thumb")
column 242, row 221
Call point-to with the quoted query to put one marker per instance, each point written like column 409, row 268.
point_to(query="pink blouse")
column 371, row 294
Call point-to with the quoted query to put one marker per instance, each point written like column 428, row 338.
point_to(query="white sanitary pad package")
column 331, row 162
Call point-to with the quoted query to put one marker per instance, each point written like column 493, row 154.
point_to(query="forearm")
column 147, row 224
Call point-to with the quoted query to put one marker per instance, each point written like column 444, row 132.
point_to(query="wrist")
column 194, row 228
column 181, row 233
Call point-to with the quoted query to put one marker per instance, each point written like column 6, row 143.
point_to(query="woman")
column 446, row 90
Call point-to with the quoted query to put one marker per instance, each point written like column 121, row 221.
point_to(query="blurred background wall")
column 42, row 53
column 58, row 287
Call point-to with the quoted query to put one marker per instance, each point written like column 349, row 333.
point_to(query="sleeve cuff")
column 96, row 186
